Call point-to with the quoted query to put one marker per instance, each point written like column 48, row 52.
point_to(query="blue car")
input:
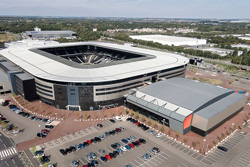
column 15, row 108
column 119, row 150
column 104, row 159
column 127, row 147
column 124, row 141
column 40, row 152
column 81, row 146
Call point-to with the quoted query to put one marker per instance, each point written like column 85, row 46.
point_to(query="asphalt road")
column 11, row 162
column 5, row 142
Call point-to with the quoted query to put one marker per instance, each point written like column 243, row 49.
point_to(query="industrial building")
column 186, row 105
column 171, row 40
column 84, row 75
column 48, row 35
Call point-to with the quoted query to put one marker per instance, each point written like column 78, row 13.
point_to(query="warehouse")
column 186, row 105
column 171, row 40
column 85, row 75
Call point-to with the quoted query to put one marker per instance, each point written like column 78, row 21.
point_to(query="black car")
column 97, row 139
column 111, row 120
column 95, row 162
column 63, row 152
column 112, row 155
column 20, row 113
column 49, row 126
column 45, row 159
column 68, row 150
column 12, row 106
column 72, row 148
column 222, row 148
column 91, row 164
column 41, row 135
column 99, row 125
column 129, row 118
column 93, row 140
column 5, row 103
column 107, row 133
column 143, row 141
column 85, row 144
column 135, row 144
column 116, row 153
column 114, row 146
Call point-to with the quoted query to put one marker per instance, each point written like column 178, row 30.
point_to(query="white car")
column 124, row 149
column 159, row 135
column 118, row 118
column 15, row 131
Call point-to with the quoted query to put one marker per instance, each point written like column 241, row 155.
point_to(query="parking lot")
column 217, row 154
column 243, row 161
column 131, row 157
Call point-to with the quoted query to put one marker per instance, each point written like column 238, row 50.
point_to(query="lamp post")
column 232, row 126
column 207, row 148
column 39, row 127
column 99, row 111
column 41, row 106
column 204, row 140
column 23, row 99
column 56, row 115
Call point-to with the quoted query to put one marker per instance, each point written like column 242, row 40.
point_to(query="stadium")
column 84, row 75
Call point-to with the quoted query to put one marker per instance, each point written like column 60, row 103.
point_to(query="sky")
column 220, row 9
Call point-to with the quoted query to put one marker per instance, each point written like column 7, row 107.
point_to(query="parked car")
column 101, row 151
column 108, row 157
column 112, row 155
column 42, row 135
column 151, row 132
column 124, row 141
column 63, row 152
column 155, row 150
column 143, row 141
column 146, row 156
column 222, row 148
column 45, row 159
column 39, row 152
column 104, row 159
column 49, row 126
column 75, row 163
column 118, row 118
column 12, row 106
column 111, row 120
column 99, row 125
column 129, row 118
column 159, row 135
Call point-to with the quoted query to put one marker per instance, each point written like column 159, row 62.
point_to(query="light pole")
column 99, row 111
column 204, row 140
column 232, row 126
column 23, row 99
column 56, row 115
column 41, row 106
column 207, row 148
column 39, row 127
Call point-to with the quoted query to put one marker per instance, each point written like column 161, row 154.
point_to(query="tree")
column 136, row 115
column 143, row 119
column 155, row 124
column 177, row 135
column 235, row 52
column 163, row 128
column 33, row 149
column 149, row 121
column 86, row 115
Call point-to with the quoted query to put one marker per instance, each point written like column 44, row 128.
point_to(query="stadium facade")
column 186, row 105
column 85, row 75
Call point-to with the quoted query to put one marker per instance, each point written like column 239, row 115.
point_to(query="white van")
column 2, row 101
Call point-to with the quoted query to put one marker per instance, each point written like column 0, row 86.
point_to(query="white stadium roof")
column 170, row 40
column 46, row 68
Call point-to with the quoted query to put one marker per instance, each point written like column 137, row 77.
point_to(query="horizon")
column 178, row 9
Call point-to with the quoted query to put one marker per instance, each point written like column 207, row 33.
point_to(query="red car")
column 89, row 141
column 138, row 123
column 85, row 166
column 108, row 157
column 45, row 131
column 131, row 145
column 118, row 130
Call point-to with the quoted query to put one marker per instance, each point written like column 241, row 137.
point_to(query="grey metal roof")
column 24, row 76
column 185, row 92
column 49, row 32
column 163, row 112
column 220, row 105
column 9, row 66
